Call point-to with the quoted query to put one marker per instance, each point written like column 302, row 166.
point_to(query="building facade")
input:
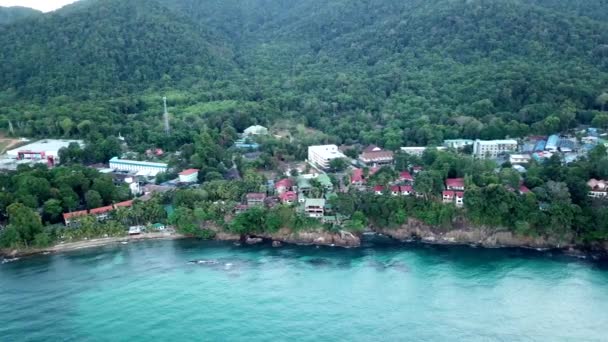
column 188, row 176
column 137, row 166
column 322, row 155
column 493, row 148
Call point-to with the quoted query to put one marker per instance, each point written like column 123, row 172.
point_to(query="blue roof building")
column 540, row 145
column 552, row 143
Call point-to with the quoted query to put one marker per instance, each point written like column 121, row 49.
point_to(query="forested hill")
column 392, row 72
column 124, row 45
column 11, row 14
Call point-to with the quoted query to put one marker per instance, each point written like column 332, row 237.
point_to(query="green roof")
column 314, row 202
column 303, row 183
column 325, row 180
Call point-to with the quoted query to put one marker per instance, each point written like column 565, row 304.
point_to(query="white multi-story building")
column 492, row 148
column 148, row 168
column 419, row 151
column 457, row 143
column 322, row 155
column 520, row 158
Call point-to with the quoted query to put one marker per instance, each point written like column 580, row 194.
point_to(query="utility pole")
column 166, row 117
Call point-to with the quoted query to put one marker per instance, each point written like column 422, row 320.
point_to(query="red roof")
column 102, row 210
column 406, row 188
column 188, row 172
column 378, row 188
column 448, row 193
column 357, row 176
column 69, row 216
column 372, row 148
column 454, row 183
column 377, row 156
column 395, row 188
column 459, row 194
column 524, row 189
column 406, row 176
column 256, row 195
column 288, row 196
column 284, row 183
column 125, row 204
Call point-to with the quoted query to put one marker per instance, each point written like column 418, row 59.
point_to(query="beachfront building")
column 142, row 168
column 375, row 156
column 419, row 151
column 493, row 148
column 188, row 176
column 458, row 143
column 322, row 155
column 598, row 188
column 255, row 130
column 314, row 207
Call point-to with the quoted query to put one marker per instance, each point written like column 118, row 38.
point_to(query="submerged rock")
column 276, row 244
column 253, row 240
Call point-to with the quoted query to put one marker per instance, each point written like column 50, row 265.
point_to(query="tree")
column 93, row 199
column 600, row 120
column 337, row 165
column 602, row 100
column 24, row 224
column 52, row 210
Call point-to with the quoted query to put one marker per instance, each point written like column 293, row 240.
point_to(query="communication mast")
column 166, row 117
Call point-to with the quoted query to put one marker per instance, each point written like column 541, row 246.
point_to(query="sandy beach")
column 72, row 246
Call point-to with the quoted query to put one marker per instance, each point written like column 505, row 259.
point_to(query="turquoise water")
column 150, row 292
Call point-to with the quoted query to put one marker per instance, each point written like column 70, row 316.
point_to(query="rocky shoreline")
column 412, row 231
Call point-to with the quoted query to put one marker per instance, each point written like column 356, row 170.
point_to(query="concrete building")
column 493, row 148
column 43, row 150
column 457, row 143
column 322, row 155
column 454, row 184
column 255, row 130
column 419, row 151
column 552, row 143
column 314, row 207
column 145, row 168
column 188, row 176
column 520, row 158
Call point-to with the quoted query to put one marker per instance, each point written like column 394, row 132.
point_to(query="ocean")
column 191, row 290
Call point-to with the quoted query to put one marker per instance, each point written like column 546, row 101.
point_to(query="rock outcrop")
column 465, row 233
column 316, row 237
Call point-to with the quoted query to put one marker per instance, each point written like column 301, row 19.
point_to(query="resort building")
column 454, row 184
column 143, row 168
column 322, row 155
column 375, row 156
column 288, row 197
column 314, row 207
column 405, row 176
column 401, row 190
column 455, row 197
column 458, row 143
column 493, row 148
column 598, row 188
column 188, row 176
column 419, row 151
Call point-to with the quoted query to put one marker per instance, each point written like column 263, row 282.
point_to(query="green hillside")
column 374, row 71
column 11, row 14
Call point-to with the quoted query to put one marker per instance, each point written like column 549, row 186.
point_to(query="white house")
column 188, row 176
column 520, row 158
column 419, row 151
column 322, row 155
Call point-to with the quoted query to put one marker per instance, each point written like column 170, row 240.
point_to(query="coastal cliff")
column 466, row 233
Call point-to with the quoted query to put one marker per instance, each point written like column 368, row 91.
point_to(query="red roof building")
column 188, row 172
column 378, row 189
column 374, row 155
column 405, row 176
column 68, row 217
column 255, row 198
column 456, row 184
column 283, row 185
column 288, row 197
column 523, row 189
column 125, row 204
